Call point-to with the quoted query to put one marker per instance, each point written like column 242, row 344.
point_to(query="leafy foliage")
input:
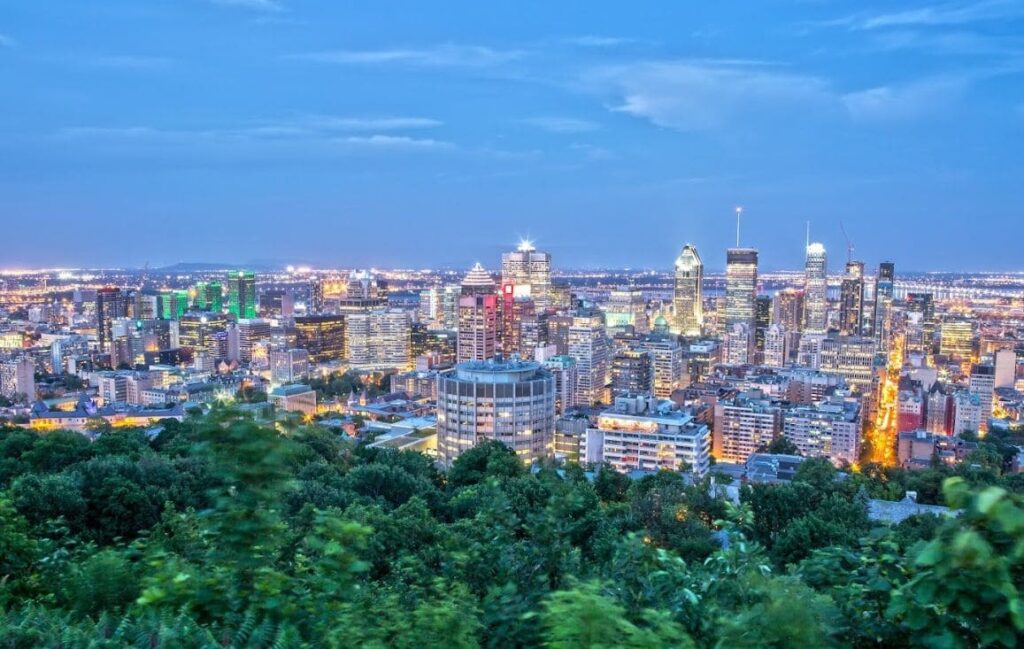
column 223, row 532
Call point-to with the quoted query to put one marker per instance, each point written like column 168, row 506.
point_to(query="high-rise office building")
column 564, row 371
column 514, row 311
column 316, row 296
column 740, row 286
column 762, row 320
column 851, row 357
column 209, row 296
column 885, row 287
column 242, row 294
column 587, row 343
column 512, row 402
column 669, row 363
column 251, row 333
column 736, row 348
column 478, row 281
column 478, row 327
column 776, row 347
column 982, row 383
column 788, row 309
column 111, row 303
column 956, row 339
column 1005, row 361
column 529, row 271
column 816, row 290
column 288, row 366
column 379, row 339
column 851, row 300
column 201, row 332
column 365, row 291
column 688, row 293
column 632, row 372
column 173, row 304
column 920, row 307
column 626, row 307
column 323, row 336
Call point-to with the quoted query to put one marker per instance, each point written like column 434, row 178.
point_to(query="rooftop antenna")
column 807, row 242
column 739, row 212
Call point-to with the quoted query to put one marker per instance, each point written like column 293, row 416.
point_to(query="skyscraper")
column 740, row 286
column 851, row 300
column 478, row 327
column 209, row 297
column 514, row 312
column 529, row 270
column 741, row 292
column 111, row 303
column 323, row 336
column 478, row 281
column 587, row 343
column 242, row 294
column 885, row 285
column 788, row 309
column 816, row 290
column 688, row 295
column 762, row 320
column 378, row 339
column 632, row 372
column 982, row 383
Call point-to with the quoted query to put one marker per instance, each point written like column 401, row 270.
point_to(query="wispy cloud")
column 446, row 55
column 369, row 123
column 961, row 13
column 907, row 101
column 313, row 136
column 124, row 61
column 692, row 95
column 7, row 42
column 555, row 124
column 305, row 127
column 947, row 43
column 591, row 151
column 594, row 40
column 254, row 5
column 397, row 142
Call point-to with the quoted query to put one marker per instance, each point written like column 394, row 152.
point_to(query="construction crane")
column 849, row 244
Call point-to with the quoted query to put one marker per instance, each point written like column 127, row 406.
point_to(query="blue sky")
column 414, row 133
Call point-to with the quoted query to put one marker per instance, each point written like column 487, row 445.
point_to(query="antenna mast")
column 739, row 211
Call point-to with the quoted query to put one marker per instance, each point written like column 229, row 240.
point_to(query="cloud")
column 946, row 42
column 125, row 62
column 7, row 42
column 255, row 5
column 938, row 15
column 306, row 128
column 592, row 152
column 699, row 94
column 370, row 123
column 397, row 142
column 907, row 101
column 447, row 55
column 563, row 124
column 285, row 138
column 592, row 40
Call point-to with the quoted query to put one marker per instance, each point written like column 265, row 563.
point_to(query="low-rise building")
column 644, row 434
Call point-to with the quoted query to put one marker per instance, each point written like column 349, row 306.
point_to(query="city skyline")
column 367, row 136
